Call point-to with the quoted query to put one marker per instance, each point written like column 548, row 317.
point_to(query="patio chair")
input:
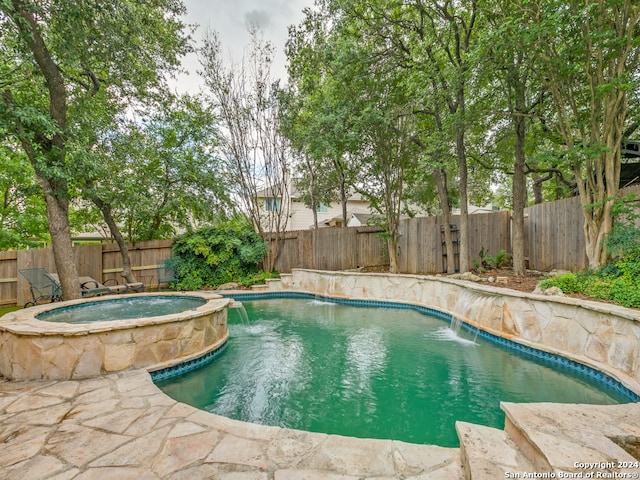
column 90, row 288
column 112, row 284
column 42, row 285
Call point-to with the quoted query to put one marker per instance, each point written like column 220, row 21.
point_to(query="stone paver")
column 121, row 426
column 570, row 435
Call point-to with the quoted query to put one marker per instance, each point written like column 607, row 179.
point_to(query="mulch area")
column 508, row 279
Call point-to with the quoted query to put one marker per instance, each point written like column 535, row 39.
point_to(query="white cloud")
column 231, row 20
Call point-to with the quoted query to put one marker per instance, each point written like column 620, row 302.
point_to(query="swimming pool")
column 369, row 372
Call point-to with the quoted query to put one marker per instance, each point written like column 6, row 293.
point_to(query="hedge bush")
column 230, row 251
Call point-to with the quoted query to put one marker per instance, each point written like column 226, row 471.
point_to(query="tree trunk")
column 464, row 201
column 58, row 218
column 599, row 191
column 392, row 247
column 441, row 184
column 597, row 204
column 537, row 188
column 519, row 183
column 52, row 151
column 127, row 273
column 343, row 201
column 312, row 195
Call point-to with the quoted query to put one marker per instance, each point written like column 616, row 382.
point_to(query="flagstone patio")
column 122, row 426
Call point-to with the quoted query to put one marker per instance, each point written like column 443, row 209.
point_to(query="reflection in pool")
column 369, row 372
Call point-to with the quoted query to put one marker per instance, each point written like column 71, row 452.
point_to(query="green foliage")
column 502, row 259
column 625, row 235
column 257, row 278
column 618, row 282
column 568, row 283
column 227, row 252
column 174, row 179
column 23, row 220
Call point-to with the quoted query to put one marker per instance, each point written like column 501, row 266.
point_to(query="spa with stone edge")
column 86, row 338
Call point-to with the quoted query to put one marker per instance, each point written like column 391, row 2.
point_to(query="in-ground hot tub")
column 68, row 341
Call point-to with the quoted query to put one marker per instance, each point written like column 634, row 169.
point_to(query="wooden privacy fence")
column 331, row 249
column 554, row 233
column 554, row 238
column 420, row 248
column 100, row 262
column 421, row 245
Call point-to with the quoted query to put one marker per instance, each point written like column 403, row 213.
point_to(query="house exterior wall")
column 301, row 217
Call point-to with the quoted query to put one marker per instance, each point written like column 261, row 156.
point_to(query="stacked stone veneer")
column 603, row 336
column 32, row 349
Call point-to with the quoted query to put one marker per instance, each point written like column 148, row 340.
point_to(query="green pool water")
column 368, row 372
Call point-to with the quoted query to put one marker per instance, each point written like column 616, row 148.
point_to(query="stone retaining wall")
column 603, row 336
column 32, row 349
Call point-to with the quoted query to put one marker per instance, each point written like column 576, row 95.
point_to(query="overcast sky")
column 231, row 18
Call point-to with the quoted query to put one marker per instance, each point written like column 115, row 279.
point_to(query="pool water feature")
column 369, row 372
column 122, row 309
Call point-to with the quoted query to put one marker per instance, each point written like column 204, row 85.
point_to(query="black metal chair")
column 42, row 286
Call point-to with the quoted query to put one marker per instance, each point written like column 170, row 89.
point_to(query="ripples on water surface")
column 122, row 309
column 368, row 372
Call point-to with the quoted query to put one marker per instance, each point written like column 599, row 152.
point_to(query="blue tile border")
column 540, row 355
column 186, row 367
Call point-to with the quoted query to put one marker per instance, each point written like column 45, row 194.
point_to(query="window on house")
column 272, row 205
column 322, row 208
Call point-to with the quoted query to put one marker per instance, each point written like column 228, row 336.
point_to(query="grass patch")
column 8, row 309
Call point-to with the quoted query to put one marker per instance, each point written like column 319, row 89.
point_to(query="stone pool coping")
column 24, row 322
column 122, row 426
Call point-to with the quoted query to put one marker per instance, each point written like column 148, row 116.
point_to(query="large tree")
column 320, row 123
column 60, row 57
column 588, row 55
column 509, row 96
column 156, row 175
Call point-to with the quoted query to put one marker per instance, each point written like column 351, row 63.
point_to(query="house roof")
column 364, row 218
column 295, row 194
column 361, row 216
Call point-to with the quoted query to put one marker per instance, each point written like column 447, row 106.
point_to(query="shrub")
column 619, row 281
column 226, row 252
column 257, row 278
column 626, row 292
column 595, row 287
column 568, row 283
column 487, row 261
